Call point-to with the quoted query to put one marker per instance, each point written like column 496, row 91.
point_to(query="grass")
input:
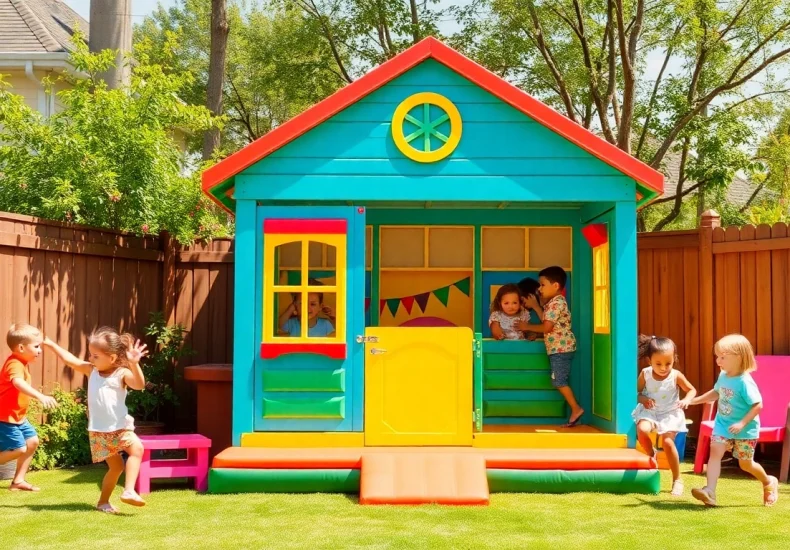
column 62, row 516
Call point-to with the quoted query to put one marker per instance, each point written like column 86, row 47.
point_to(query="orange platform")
column 423, row 478
column 527, row 459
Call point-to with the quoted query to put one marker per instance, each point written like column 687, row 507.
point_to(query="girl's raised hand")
column 137, row 352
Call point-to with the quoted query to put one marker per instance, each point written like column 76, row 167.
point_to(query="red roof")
column 431, row 48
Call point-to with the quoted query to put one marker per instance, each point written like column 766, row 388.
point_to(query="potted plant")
column 160, row 373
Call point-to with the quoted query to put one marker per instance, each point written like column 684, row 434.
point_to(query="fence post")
column 169, row 277
column 709, row 221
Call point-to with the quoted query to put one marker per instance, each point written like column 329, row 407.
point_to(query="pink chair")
column 195, row 465
column 773, row 378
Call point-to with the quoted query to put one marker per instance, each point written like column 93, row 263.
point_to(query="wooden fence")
column 697, row 286
column 68, row 280
column 694, row 287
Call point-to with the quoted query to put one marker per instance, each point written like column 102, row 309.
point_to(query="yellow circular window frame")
column 403, row 142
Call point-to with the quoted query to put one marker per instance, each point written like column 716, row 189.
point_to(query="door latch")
column 367, row 339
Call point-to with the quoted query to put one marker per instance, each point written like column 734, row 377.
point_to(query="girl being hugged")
column 507, row 314
column 737, row 424
column 114, row 367
column 660, row 407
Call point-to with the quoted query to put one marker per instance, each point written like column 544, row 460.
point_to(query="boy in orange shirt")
column 18, row 439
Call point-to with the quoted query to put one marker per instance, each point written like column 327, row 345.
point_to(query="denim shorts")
column 561, row 369
column 14, row 436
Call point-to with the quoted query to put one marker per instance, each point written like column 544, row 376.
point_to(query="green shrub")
column 159, row 370
column 62, row 431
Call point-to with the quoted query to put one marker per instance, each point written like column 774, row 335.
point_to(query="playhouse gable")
column 430, row 113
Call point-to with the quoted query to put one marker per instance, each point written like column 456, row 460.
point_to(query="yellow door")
column 418, row 386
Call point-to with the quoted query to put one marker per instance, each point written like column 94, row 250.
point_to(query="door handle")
column 377, row 351
column 367, row 339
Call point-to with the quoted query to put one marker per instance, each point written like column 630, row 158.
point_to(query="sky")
column 140, row 8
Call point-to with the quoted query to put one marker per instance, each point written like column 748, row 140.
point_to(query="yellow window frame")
column 601, row 289
column 271, row 287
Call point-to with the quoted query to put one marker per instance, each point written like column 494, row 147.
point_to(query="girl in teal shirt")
column 737, row 425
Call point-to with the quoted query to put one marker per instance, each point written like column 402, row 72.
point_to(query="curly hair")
column 504, row 290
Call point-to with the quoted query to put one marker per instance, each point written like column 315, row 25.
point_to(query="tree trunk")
column 216, row 71
column 415, row 22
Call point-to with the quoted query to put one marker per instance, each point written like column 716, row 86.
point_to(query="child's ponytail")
column 649, row 345
column 110, row 341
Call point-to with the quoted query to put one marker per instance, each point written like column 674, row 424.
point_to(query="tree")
column 216, row 72
column 589, row 61
column 364, row 33
column 109, row 159
column 773, row 173
column 277, row 65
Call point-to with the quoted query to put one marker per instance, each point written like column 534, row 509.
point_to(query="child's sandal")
column 132, row 498
column 107, row 508
column 771, row 491
column 23, row 486
column 677, row 488
column 705, row 496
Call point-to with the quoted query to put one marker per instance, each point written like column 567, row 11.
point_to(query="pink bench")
column 195, row 465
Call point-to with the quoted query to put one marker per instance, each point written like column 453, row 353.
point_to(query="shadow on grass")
column 673, row 504
column 62, row 507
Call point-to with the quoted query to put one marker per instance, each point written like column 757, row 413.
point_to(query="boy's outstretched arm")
column 707, row 397
column 47, row 401
column 69, row 358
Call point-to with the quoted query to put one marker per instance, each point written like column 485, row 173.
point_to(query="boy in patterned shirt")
column 557, row 334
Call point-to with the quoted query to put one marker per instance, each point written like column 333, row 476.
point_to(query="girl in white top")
column 508, row 318
column 114, row 366
column 660, row 407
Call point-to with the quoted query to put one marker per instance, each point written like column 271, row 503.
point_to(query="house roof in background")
column 38, row 26
column 738, row 193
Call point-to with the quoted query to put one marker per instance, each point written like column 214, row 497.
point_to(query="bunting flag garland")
column 422, row 300
column 442, row 294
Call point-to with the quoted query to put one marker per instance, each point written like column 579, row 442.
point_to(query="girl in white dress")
column 508, row 318
column 660, row 407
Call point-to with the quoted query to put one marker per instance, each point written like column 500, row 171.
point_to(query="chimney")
column 111, row 28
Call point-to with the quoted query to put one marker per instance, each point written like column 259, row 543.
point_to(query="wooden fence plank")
column 719, row 292
column 79, row 315
column 732, row 284
column 763, row 294
column 779, row 296
column 675, row 319
column 748, row 289
column 691, row 325
column 6, row 293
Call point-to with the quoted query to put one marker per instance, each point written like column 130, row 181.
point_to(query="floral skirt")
column 107, row 444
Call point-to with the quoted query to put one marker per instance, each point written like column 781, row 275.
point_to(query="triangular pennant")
column 422, row 300
column 382, row 304
column 443, row 294
column 393, row 304
column 367, row 304
column 408, row 303
column 464, row 285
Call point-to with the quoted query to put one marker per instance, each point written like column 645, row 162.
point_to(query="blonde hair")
column 737, row 344
column 21, row 333
column 110, row 341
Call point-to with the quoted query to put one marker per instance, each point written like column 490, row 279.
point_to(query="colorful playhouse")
column 398, row 206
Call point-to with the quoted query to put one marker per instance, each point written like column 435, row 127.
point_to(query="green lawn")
column 62, row 516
